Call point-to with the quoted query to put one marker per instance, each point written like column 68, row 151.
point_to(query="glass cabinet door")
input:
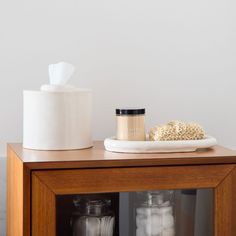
column 186, row 212
column 155, row 201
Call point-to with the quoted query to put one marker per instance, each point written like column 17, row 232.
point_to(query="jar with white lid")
column 130, row 124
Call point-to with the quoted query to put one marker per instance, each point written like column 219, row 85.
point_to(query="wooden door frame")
column 47, row 184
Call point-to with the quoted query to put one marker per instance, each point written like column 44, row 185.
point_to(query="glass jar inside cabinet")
column 93, row 217
column 154, row 213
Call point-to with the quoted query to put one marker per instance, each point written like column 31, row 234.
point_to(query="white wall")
column 175, row 57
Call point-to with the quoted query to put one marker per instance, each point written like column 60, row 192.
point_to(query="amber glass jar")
column 130, row 124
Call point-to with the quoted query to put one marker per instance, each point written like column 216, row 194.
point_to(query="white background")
column 176, row 58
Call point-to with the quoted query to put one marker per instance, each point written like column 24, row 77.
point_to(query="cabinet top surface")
column 99, row 157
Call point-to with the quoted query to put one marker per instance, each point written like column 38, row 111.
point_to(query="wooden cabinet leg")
column 43, row 209
column 224, row 206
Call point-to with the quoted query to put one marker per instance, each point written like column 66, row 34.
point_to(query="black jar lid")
column 130, row 111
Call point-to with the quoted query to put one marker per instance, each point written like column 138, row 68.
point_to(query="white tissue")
column 59, row 75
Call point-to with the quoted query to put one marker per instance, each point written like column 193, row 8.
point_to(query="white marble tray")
column 114, row 145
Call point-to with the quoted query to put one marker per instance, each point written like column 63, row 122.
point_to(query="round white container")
column 57, row 120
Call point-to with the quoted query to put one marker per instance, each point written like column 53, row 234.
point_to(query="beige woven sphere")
column 177, row 130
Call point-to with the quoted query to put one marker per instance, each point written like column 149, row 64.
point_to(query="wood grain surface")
column 43, row 209
column 18, row 197
column 98, row 157
column 133, row 179
column 233, row 198
column 224, row 207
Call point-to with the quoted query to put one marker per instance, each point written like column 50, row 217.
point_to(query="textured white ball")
column 145, row 211
column 168, row 232
column 154, row 226
column 167, row 220
column 166, row 210
column 140, row 232
column 155, row 210
column 141, row 221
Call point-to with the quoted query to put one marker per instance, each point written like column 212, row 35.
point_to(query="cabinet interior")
column 193, row 211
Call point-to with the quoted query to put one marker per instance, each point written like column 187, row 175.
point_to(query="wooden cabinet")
column 35, row 180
